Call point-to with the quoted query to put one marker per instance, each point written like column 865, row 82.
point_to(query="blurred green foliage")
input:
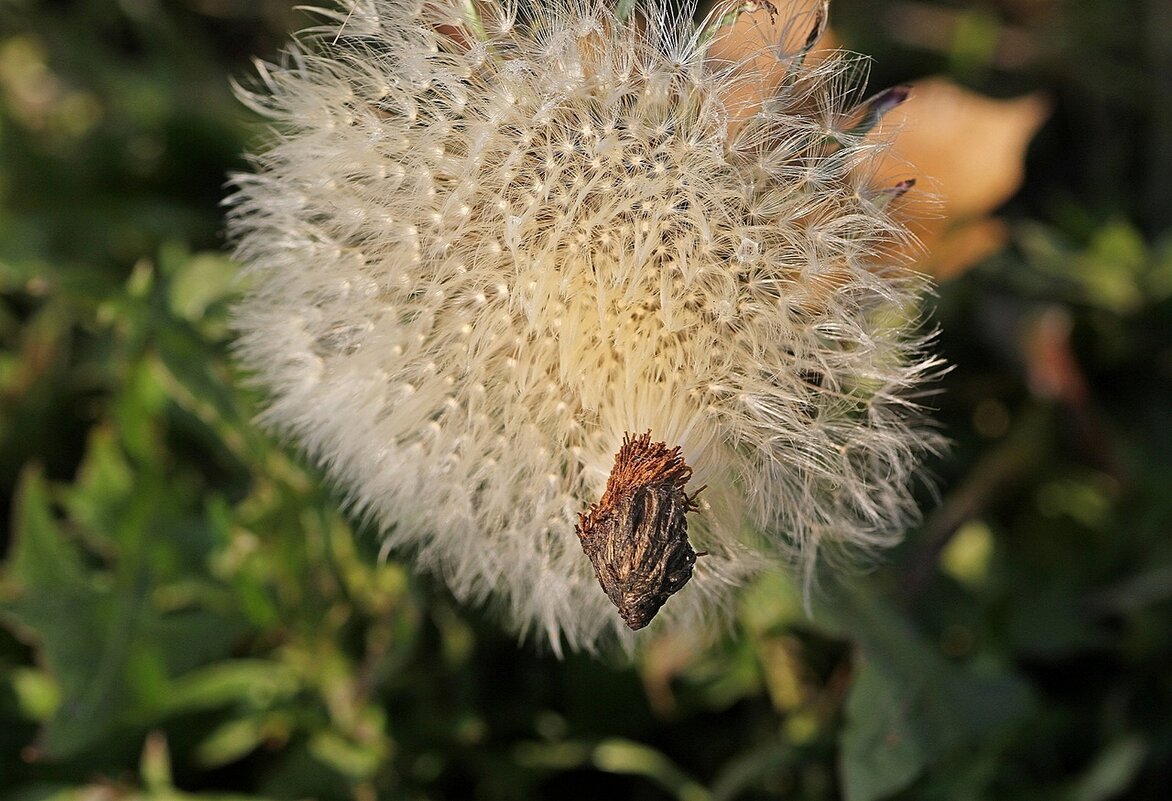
column 185, row 612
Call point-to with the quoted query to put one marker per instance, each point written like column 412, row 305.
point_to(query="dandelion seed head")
column 484, row 248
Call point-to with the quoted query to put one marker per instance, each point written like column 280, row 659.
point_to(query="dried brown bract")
column 637, row 535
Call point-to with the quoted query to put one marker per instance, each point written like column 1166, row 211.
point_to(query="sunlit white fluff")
column 482, row 249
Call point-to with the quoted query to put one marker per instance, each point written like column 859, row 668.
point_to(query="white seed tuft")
column 483, row 250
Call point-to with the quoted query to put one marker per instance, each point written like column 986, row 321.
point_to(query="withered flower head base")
column 637, row 535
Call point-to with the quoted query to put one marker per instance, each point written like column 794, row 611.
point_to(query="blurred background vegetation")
column 185, row 612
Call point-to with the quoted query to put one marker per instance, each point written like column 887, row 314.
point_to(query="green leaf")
column 881, row 749
column 37, row 695
column 55, row 604
column 112, row 635
column 623, row 756
column 1113, row 771
column 352, row 759
column 908, row 707
column 105, row 481
column 254, row 682
column 198, row 282
column 746, row 770
column 233, row 740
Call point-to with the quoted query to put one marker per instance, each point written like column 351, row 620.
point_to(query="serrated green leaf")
column 40, row 555
column 105, row 480
column 101, row 631
column 62, row 610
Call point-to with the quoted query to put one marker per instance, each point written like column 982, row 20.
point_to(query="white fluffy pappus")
column 486, row 240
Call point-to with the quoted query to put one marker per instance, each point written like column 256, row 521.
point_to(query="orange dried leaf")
column 965, row 149
column 969, row 151
column 756, row 39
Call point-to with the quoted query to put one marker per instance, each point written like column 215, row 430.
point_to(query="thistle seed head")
column 486, row 240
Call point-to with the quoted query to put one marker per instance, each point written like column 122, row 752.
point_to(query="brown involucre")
column 636, row 536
